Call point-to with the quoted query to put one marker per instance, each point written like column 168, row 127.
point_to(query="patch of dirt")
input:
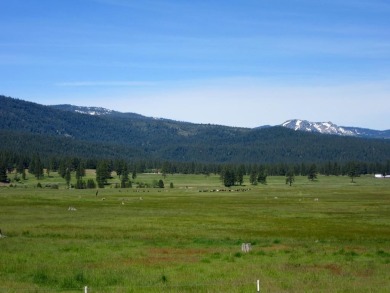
column 357, row 249
column 332, row 268
column 276, row 247
column 157, row 256
column 365, row 273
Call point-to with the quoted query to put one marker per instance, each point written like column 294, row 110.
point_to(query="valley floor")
column 329, row 235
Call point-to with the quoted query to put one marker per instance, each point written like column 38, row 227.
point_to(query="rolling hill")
column 62, row 131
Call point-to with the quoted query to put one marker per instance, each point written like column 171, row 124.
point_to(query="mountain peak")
column 320, row 127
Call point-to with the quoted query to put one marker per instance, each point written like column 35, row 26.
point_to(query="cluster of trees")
column 235, row 176
column 231, row 174
column 258, row 174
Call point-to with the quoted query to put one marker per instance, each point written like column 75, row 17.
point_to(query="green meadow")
column 329, row 235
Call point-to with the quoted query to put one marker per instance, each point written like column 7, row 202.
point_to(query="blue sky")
column 239, row 63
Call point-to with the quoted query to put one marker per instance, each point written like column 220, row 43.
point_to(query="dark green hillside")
column 126, row 130
column 278, row 144
column 37, row 119
column 49, row 146
column 32, row 128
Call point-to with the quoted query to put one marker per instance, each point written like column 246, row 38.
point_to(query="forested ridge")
column 28, row 128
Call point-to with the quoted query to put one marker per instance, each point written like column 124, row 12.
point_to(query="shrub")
column 91, row 184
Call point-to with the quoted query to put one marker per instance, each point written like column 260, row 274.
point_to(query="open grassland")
column 328, row 235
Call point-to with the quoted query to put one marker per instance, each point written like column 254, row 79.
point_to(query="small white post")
column 86, row 289
column 258, row 285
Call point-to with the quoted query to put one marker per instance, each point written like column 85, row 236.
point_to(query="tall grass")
column 324, row 236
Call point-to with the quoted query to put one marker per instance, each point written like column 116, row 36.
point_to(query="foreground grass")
column 325, row 236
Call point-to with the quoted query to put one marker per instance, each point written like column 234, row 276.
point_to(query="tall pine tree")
column 102, row 173
column 3, row 172
column 312, row 173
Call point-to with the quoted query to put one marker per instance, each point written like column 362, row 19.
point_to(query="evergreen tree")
column 31, row 165
column 290, row 178
column 80, row 170
column 3, row 172
column 37, row 168
column 253, row 177
column 48, row 170
column 67, row 177
column 336, row 169
column 352, row 171
column 228, row 176
column 160, row 184
column 328, row 169
column 53, row 164
column 262, row 177
column 80, row 184
column 297, row 169
column 62, row 168
column 102, row 173
column 303, row 169
column 240, row 174
column 20, row 166
column 166, row 169
column 91, row 183
column 118, row 167
column 125, row 176
column 312, row 172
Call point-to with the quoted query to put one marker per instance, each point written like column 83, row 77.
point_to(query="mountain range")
column 93, row 132
column 295, row 124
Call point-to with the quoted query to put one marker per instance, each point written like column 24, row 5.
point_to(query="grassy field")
column 328, row 235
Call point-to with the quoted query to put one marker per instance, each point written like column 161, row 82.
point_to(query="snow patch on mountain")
column 320, row 127
column 94, row 111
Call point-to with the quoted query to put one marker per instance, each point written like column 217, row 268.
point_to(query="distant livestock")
column 225, row 190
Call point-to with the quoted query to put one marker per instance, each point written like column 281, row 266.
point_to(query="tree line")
column 231, row 174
